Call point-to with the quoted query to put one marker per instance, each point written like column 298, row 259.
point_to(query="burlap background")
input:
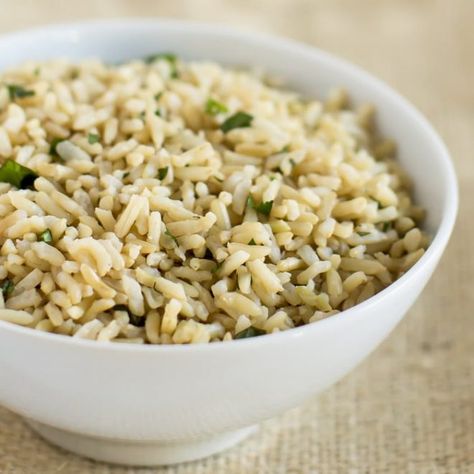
column 410, row 407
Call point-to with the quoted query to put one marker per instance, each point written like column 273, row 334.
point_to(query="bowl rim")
column 434, row 251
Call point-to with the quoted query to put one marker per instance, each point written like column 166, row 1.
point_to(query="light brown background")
column 410, row 407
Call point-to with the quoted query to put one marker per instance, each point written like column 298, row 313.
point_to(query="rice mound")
column 168, row 202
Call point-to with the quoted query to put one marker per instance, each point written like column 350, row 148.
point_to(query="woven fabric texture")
column 409, row 408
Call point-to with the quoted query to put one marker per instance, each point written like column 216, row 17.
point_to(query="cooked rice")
column 162, row 214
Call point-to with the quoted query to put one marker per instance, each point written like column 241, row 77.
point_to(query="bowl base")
column 140, row 453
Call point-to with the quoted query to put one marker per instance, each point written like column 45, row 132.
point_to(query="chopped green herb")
column 162, row 173
column 126, row 175
column 17, row 175
column 238, row 120
column 93, row 138
column 263, row 208
column 37, row 71
column 7, row 287
column 158, row 113
column 141, row 115
column 158, row 96
column 213, row 107
column 138, row 321
column 169, row 234
column 292, row 161
column 171, row 58
column 285, row 149
column 249, row 332
column 252, row 242
column 52, row 148
column 387, row 226
column 272, row 178
column 18, row 92
column 45, row 236
column 363, row 234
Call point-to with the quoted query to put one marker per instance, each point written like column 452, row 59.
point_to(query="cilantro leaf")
column 263, row 208
column 151, row 58
column 170, row 57
column 213, row 107
column 45, row 236
column 7, row 287
column 93, row 138
column 17, row 175
column 16, row 91
column 162, row 173
column 238, row 120
column 52, row 148
column 251, row 331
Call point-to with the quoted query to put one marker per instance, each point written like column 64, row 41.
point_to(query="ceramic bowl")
column 151, row 405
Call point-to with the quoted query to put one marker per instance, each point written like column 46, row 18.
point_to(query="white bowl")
column 166, row 404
